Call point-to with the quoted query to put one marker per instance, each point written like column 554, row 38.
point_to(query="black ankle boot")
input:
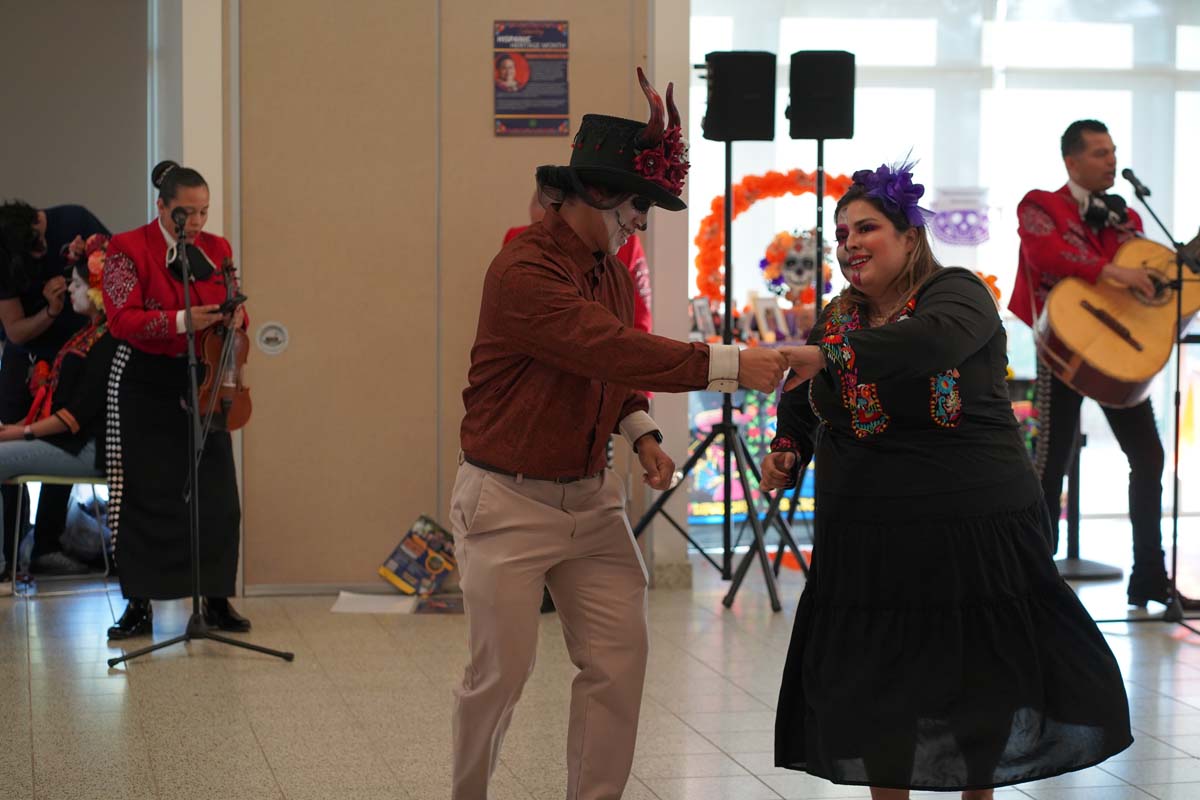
column 1142, row 590
column 138, row 620
column 218, row 613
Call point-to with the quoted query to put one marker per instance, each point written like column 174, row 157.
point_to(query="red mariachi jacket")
column 1056, row 243
column 142, row 299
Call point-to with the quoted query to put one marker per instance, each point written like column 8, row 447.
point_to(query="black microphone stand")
column 1174, row 612
column 197, row 628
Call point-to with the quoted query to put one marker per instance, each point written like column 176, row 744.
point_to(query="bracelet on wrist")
column 784, row 444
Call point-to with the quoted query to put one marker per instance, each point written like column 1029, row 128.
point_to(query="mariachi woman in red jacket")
column 148, row 450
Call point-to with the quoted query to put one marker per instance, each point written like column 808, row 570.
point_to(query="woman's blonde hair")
column 921, row 265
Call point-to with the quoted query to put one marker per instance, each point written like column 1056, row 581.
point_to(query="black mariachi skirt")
column 936, row 647
column 147, row 466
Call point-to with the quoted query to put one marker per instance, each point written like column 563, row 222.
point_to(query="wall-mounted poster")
column 529, row 77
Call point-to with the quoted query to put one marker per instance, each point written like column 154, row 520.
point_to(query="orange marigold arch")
column 710, row 261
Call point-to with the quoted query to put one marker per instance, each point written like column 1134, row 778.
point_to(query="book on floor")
column 422, row 560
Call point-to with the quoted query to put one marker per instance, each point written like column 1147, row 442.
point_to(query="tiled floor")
column 363, row 712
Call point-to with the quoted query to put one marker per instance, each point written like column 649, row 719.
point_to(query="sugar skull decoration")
column 790, row 265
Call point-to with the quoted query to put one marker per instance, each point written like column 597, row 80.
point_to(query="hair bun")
column 160, row 172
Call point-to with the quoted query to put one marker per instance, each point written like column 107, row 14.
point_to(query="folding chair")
column 54, row 480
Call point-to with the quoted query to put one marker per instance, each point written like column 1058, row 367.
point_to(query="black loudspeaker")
column 741, row 97
column 822, row 100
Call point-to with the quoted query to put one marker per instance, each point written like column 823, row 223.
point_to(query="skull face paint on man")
column 622, row 221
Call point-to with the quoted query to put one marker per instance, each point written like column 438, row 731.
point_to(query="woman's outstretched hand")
column 778, row 470
column 805, row 361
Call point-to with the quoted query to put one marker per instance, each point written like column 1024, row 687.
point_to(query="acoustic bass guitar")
column 1106, row 341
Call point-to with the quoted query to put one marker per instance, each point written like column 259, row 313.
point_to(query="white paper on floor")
column 357, row 603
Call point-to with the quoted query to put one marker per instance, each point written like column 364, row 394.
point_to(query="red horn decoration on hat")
column 654, row 128
column 672, row 111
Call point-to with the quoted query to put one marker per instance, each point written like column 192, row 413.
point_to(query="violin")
column 223, row 348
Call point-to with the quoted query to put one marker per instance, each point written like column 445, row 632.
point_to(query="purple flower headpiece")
column 893, row 186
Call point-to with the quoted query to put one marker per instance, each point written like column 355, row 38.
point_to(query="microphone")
column 1138, row 187
column 179, row 216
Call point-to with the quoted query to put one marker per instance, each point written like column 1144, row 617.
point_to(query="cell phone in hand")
column 230, row 305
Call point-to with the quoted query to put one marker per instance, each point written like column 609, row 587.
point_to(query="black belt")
column 527, row 476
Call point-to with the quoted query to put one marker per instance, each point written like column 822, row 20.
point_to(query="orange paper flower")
column 990, row 280
column 710, row 261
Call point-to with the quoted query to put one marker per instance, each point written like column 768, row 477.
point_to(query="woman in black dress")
column 935, row 646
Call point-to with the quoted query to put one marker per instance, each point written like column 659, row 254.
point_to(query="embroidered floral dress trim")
column 867, row 416
column 945, row 402
column 784, row 444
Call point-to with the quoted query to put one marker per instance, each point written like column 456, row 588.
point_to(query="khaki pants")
column 511, row 537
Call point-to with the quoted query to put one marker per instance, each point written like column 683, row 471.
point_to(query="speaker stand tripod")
column 733, row 445
column 786, row 539
column 773, row 514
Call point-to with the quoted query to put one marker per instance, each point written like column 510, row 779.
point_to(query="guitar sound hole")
column 1163, row 293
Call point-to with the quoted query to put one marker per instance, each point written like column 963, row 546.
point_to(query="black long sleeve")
column 81, row 395
column 955, row 317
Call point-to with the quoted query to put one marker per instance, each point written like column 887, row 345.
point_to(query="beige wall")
column 338, row 184
column 372, row 203
column 74, row 106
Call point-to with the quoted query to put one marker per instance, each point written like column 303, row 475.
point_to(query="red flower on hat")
column 662, row 156
column 651, row 164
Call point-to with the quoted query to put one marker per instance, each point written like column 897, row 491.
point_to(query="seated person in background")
column 59, row 436
column 37, row 321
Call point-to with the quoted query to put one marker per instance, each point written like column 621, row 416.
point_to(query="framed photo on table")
column 772, row 324
column 703, row 315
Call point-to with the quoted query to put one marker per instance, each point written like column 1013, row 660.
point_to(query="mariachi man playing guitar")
column 1076, row 232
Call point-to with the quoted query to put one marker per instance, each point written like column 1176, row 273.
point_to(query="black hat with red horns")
column 645, row 158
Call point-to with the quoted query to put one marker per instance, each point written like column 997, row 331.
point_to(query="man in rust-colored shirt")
column 553, row 374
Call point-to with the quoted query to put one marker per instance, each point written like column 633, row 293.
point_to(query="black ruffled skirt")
column 935, row 647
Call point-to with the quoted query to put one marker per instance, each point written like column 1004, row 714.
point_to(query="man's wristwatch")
column 29, row 437
column 657, row 434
